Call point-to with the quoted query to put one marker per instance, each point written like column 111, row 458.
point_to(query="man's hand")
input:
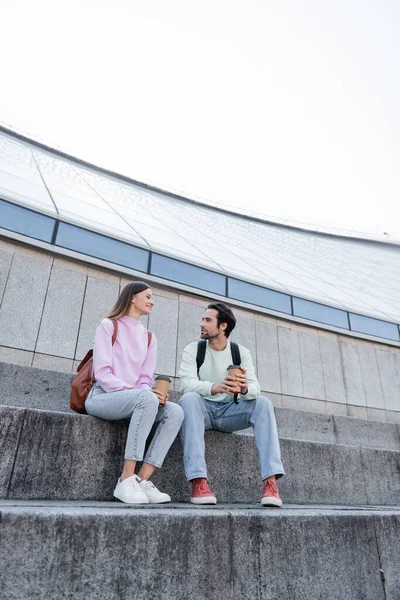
column 244, row 384
column 227, row 386
column 160, row 397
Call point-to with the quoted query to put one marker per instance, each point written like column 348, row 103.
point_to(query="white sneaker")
column 129, row 491
column 153, row 494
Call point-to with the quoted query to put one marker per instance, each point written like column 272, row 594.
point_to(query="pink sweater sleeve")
column 145, row 380
column 102, row 359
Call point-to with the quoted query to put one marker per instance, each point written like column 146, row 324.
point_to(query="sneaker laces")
column 272, row 486
column 202, row 484
column 132, row 481
column 148, row 484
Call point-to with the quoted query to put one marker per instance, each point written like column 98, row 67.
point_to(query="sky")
column 288, row 109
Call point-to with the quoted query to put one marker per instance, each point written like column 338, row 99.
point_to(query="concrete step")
column 62, row 456
column 114, row 552
column 49, row 390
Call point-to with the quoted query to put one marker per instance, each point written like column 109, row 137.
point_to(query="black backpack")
column 201, row 353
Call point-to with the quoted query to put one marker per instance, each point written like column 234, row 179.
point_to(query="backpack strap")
column 201, row 353
column 149, row 336
column 236, row 358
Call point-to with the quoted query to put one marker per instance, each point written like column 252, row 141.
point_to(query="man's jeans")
column 201, row 414
column 141, row 407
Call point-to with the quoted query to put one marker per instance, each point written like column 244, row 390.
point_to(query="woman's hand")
column 161, row 399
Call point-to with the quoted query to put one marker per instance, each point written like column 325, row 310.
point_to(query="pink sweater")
column 127, row 364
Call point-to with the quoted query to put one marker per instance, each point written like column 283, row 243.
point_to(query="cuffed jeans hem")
column 151, row 462
column 133, row 458
column 196, row 476
column 277, row 475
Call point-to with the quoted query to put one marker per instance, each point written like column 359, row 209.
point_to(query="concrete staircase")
column 337, row 536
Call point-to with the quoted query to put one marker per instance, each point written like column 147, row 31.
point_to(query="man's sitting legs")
column 228, row 417
column 196, row 420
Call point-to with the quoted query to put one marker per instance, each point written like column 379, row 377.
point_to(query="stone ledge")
column 68, row 456
column 70, row 552
column 49, row 390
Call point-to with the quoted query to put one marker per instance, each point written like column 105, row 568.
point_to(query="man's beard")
column 208, row 336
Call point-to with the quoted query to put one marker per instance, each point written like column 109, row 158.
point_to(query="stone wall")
column 51, row 305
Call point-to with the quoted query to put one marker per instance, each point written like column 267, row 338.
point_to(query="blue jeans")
column 201, row 414
column 142, row 409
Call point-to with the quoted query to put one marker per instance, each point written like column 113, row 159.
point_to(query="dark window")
column 318, row 312
column 260, row 296
column 375, row 327
column 100, row 246
column 22, row 220
column 176, row 270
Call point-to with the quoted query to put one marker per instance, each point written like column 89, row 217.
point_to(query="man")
column 208, row 403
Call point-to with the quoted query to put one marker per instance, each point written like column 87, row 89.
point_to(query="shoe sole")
column 206, row 500
column 159, row 501
column 271, row 501
column 130, row 502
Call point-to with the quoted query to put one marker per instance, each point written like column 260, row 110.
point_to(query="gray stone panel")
column 381, row 470
column 389, row 381
column 268, row 364
column 332, row 369
column 336, row 408
column 370, row 375
column 120, row 553
column 323, row 474
column 54, row 363
column 23, row 301
column 100, row 297
column 163, row 322
column 353, row 381
column 387, row 532
column 393, row 416
column 311, row 366
column 61, row 315
column 376, row 414
column 358, row 412
column 6, row 255
column 396, row 358
column 321, row 558
column 306, row 426
column 34, row 388
column 245, row 334
column 365, row 433
column 15, row 356
column 67, row 456
column 189, row 322
column 289, row 354
column 11, row 420
column 300, row 403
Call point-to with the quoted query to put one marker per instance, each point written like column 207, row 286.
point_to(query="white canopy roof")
column 361, row 276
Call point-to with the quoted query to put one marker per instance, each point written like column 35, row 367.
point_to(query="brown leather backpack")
column 84, row 379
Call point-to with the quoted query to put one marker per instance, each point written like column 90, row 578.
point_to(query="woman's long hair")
column 123, row 303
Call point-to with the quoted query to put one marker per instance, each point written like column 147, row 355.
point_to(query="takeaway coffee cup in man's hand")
column 233, row 371
column 162, row 384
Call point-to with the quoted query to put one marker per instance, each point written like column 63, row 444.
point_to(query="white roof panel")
column 357, row 275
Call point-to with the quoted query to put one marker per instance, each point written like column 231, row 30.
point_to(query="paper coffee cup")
column 162, row 383
column 233, row 371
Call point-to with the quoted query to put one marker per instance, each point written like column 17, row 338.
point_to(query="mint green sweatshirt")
column 214, row 370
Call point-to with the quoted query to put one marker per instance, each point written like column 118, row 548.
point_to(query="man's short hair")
column 224, row 315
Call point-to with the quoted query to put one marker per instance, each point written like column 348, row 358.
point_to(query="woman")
column 123, row 390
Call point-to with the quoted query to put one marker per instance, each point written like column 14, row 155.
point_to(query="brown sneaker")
column 270, row 495
column 201, row 493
